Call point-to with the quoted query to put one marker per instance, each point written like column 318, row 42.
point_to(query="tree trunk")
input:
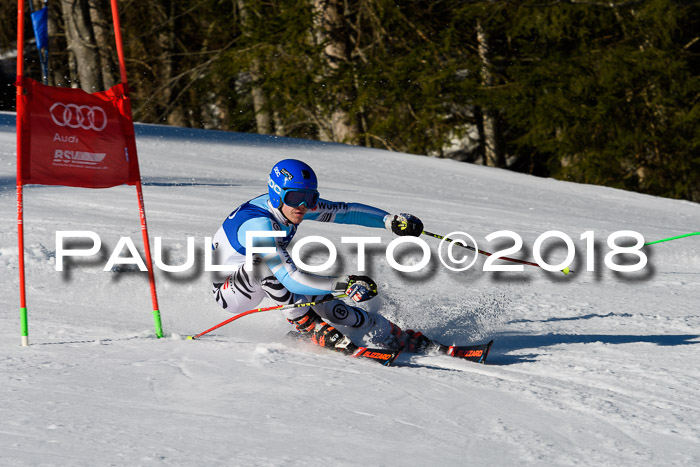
column 260, row 105
column 58, row 69
column 279, row 124
column 332, row 31
column 100, row 17
column 493, row 152
column 170, row 111
column 81, row 43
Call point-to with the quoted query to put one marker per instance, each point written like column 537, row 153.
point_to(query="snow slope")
column 596, row 368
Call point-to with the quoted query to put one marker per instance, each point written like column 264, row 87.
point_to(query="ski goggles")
column 295, row 198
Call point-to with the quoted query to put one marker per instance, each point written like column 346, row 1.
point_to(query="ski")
column 474, row 353
column 477, row 353
column 384, row 356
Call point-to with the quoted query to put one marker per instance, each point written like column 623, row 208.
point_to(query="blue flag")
column 40, row 20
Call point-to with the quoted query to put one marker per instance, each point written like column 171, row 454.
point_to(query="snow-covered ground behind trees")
column 595, row 368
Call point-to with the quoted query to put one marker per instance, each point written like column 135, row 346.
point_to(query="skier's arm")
column 294, row 279
column 280, row 261
column 347, row 213
column 369, row 216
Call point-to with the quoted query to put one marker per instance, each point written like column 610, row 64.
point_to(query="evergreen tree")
column 589, row 91
column 605, row 94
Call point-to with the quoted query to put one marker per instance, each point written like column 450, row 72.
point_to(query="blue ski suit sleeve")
column 347, row 213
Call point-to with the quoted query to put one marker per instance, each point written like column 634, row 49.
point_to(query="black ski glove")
column 360, row 288
column 404, row 224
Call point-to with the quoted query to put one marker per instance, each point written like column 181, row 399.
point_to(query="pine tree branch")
column 691, row 43
column 609, row 4
column 197, row 70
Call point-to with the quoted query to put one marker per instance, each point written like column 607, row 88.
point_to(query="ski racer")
column 291, row 198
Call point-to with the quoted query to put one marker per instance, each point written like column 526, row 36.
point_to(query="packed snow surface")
column 594, row 368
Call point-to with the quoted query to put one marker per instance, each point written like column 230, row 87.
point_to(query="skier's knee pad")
column 341, row 314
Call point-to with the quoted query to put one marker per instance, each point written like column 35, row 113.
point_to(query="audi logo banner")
column 73, row 138
column 79, row 116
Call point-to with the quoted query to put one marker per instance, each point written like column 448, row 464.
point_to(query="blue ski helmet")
column 294, row 175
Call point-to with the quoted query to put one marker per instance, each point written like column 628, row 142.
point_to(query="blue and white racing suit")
column 276, row 276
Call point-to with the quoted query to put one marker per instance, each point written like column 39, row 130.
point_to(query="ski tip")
column 189, row 338
column 486, row 354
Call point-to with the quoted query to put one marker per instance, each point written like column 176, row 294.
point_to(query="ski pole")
column 673, row 238
column 258, row 310
column 486, row 253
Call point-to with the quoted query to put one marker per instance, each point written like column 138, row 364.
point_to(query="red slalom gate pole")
column 147, row 250
column 258, row 310
column 139, row 192
column 20, row 202
column 118, row 40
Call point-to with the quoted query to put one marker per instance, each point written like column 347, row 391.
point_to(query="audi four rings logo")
column 78, row 116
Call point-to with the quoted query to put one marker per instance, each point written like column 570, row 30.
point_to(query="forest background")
column 601, row 92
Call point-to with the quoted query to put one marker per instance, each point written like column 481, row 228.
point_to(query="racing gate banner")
column 73, row 138
column 69, row 137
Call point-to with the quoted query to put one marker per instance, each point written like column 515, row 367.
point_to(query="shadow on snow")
column 507, row 343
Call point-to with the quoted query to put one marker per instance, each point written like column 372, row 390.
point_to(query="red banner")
column 72, row 138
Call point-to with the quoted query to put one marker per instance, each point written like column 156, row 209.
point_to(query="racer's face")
column 294, row 215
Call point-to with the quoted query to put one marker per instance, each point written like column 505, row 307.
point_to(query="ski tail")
column 383, row 356
column 473, row 353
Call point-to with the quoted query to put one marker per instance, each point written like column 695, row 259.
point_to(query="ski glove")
column 404, row 224
column 361, row 288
